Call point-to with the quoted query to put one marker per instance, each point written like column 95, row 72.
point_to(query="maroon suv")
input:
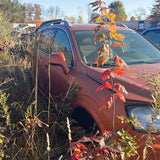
column 69, row 51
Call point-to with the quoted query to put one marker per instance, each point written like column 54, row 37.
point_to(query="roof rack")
column 58, row 21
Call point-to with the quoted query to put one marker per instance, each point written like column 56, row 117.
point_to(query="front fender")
column 91, row 107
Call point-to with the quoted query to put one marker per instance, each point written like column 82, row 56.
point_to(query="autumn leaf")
column 100, row 61
column 116, row 36
column 113, row 33
column 96, row 19
column 118, row 44
column 94, row 4
column 103, row 48
column 111, row 17
column 104, row 85
column 119, row 71
column 120, row 96
column 120, row 88
column 113, row 29
column 108, row 103
column 119, row 61
column 106, row 74
column 95, row 9
column 97, row 3
column 101, row 37
column 99, row 28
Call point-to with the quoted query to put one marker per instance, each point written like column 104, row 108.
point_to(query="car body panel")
column 87, row 77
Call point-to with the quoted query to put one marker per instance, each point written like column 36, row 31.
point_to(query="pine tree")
column 119, row 10
column 155, row 13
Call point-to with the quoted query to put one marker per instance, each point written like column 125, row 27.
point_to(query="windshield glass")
column 139, row 50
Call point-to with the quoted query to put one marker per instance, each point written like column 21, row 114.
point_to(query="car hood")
column 133, row 80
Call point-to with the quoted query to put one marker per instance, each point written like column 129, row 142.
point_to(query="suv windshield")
column 139, row 50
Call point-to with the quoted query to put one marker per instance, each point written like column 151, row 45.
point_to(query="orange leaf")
column 119, row 71
column 104, row 85
column 100, row 61
column 100, row 37
column 119, row 61
column 96, row 19
column 116, row 36
column 120, row 88
column 108, row 103
column 111, row 16
column 120, row 96
column 118, row 44
column 113, row 29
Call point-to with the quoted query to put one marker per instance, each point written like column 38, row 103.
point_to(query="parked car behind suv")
column 70, row 51
column 153, row 34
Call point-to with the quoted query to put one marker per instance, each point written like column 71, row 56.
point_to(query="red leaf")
column 106, row 74
column 104, row 85
column 108, row 103
column 5, row 42
column 119, row 61
column 119, row 71
column 120, row 88
column 120, row 96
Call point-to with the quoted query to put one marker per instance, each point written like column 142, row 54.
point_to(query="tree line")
column 14, row 11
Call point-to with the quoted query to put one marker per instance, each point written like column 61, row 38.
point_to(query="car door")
column 60, row 79
column 44, row 43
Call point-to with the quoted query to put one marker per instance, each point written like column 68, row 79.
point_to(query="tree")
column 132, row 18
column 33, row 12
column 80, row 17
column 71, row 19
column 80, row 20
column 52, row 13
column 13, row 10
column 119, row 10
column 140, row 13
column 37, row 11
column 29, row 11
column 155, row 13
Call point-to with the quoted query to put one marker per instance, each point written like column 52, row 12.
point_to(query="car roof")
column 91, row 27
column 150, row 29
column 63, row 23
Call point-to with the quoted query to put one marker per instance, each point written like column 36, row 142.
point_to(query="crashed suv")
column 70, row 52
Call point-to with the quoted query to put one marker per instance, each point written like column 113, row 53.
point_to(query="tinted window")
column 61, row 44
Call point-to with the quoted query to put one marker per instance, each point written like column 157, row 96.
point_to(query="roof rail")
column 58, row 21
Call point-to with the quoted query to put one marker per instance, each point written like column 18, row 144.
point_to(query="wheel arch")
column 83, row 103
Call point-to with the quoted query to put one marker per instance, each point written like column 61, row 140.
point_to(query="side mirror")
column 59, row 59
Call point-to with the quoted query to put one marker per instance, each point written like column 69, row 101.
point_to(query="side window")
column 61, row 44
column 45, row 40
